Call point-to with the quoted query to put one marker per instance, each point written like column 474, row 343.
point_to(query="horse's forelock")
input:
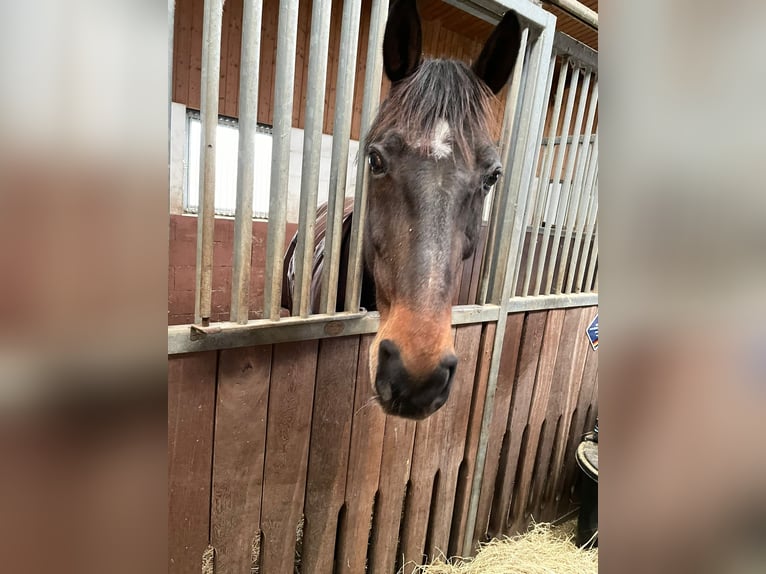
column 439, row 91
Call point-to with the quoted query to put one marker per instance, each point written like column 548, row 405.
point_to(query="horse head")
column 432, row 161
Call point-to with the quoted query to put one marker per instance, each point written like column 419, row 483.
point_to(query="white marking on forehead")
column 441, row 146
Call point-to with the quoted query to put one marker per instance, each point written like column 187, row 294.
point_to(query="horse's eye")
column 491, row 179
column 377, row 165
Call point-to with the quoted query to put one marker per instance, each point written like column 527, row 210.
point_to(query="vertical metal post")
column 530, row 191
column 248, row 125
column 588, row 234
column 312, row 155
column 344, row 96
column 582, row 219
column 578, row 189
column 211, row 66
column 592, row 263
column 566, row 188
column 556, row 177
column 545, row 174
column 280, row 155
column 540, row 58
column 369, row 105
column 495, row 233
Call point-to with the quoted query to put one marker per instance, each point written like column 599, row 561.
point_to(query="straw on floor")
column 542, row 550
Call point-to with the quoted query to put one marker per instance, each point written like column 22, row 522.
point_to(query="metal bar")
column 585, row 212
column 492, row 10
column 344, row 95
column 532, row 196
column 561, row 209
column 592, row 262
column 499, row 194
column 578, row 189
column 312, row 155
column 580, row 11
column 545, row 175
column 512, row 186
column 372, row 82
column 558, row 301
column 570, row 139
column 230, row 335
column 171, row 31
column 211, row 65
column 264, row 331
column 248, row 126
column 280, row 155
column 584, row 55
column 543, row 49
column 555, row 178
column 588, row 233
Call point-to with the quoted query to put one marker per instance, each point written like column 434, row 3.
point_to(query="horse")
column 431, row 161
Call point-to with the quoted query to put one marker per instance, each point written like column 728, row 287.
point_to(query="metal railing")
column 516, row 255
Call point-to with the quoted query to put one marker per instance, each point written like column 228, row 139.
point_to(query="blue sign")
column 593, row 333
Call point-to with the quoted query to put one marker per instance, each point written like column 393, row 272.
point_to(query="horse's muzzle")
column 401, row 394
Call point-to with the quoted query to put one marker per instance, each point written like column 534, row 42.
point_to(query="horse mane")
column 438, row 90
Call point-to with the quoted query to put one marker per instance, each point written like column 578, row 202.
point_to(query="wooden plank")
column 465, row 478
column 287, row 443
column 553, row 326
column 506, row 376
column 529, row 356
column 396, row 459
column 418, row 502
column 195, row 55
column 367, row 430
column 182, row 51
column 328, row 455
column 555, row 411
column 233, row 58
column 191, row 409
column 240, row 441
column 269, row 26
column 223, row 68
column 450, row 443
column 332, row 65
column 578, row 352
column 301, row 63
column 577, row 425
column 424, row 485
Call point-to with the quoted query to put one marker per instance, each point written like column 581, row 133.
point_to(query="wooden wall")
column 278, row 457
column 438, row 41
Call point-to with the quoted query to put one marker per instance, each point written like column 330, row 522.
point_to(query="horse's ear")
column 498, row 56
column 402, row 41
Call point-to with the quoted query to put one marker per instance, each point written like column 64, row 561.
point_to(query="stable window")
column 227, row 142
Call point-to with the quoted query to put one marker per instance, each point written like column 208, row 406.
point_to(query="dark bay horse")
column 432, row 161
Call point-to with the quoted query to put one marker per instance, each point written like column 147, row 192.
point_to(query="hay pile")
column 542, row 550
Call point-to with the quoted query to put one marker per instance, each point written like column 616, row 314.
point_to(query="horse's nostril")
column 450, row 363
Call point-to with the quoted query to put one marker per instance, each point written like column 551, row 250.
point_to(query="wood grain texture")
column 537, row 411
column 329, row 451
column 367, row 429
column 291, row 396
column 450, row 442
column 424, row 487
column 473, row 431
column 574, row 346
column 586, row 396
column 240, row 440
column 526, row 373
column 503, row 396
column 191, row 409
column 396, row 460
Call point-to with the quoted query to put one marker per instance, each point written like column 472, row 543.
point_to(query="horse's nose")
column 401, row 393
